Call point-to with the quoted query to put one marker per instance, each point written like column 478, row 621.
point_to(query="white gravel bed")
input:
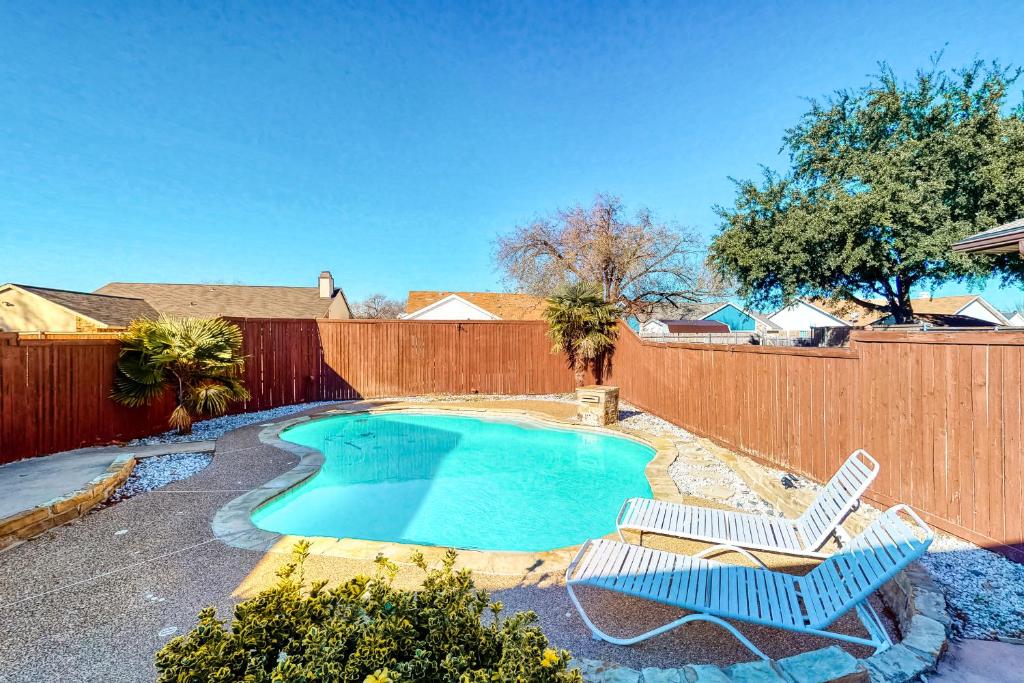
column 155, row 472
column 214, row 428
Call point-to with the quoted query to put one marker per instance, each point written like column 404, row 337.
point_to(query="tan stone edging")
column 26, row 524
column 233, row 523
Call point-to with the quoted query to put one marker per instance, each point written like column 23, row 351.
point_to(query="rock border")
column 27, row 524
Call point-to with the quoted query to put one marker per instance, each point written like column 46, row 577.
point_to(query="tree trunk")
column 902, row 312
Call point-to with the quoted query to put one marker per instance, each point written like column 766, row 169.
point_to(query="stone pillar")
column 597, row 405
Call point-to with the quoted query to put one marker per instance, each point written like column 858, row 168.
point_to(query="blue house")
column 735, row 317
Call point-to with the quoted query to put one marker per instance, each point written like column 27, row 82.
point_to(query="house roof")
column 506, row 306
column 116, row 311
column 846, row 311
column 1000, row 239
column 951, row 320
column 715, row 308
column 238, row 301
column 855, row 314
column 688, row 326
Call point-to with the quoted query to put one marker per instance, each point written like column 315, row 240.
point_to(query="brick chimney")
column 326, row 285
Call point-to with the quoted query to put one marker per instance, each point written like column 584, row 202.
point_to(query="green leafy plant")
column 583, row 326
column 883, row 180
column 200, row 359
column 368, row 631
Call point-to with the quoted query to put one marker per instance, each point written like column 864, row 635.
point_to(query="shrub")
column 368, row 631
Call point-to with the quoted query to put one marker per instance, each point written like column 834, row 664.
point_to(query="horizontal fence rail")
column 942, row 412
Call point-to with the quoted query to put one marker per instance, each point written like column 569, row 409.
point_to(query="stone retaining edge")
column 27, row 524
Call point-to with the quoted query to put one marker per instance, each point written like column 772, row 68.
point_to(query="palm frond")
column 199, row 358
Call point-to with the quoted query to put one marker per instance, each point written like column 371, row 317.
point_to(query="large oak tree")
column 883, row 180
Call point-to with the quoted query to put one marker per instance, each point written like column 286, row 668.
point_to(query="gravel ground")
column 696, row 479
column 213, row 429
column 158, row 471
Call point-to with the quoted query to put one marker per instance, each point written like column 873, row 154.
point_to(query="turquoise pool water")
column 458, row 481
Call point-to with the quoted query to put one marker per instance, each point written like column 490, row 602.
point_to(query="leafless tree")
column 638, row 263
column 378, row 306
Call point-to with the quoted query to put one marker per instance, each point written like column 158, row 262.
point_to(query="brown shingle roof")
column 504, row 305
column 859, row 315
column 116, row 311
column 239, row 301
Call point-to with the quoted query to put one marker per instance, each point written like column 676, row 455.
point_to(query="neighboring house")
column 735, row 318
column 802, row 315
column 24, row 308
column 238, row 301
column 739, row 319
column 1017, row 320
column 423, row 305
column 968, row 306
column 664, row 328
column 960, row 311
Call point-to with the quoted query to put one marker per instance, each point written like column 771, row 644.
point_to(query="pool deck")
column 95, row 599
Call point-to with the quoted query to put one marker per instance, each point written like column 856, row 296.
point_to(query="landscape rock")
column 655, row 675
column 828, row 665
column 898, row 664
column 926, row 636
column 703, row 673
column 754, row 672
column 602, row 672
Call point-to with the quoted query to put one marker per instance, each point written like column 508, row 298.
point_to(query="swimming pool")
column 464, row 482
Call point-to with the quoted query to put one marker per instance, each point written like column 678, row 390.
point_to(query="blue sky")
column 261, row 143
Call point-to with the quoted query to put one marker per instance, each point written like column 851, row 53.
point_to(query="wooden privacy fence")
column 291, row 361
column 54, row 394
column 942, row 413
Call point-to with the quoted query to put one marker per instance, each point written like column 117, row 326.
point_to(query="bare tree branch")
column 635, row 261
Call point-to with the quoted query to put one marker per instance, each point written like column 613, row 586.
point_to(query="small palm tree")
column 200, row 359
column 583, row 326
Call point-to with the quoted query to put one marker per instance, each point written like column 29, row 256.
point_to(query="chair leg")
column 598, row 634
column 873, row 624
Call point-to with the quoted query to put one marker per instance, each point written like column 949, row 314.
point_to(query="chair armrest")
column 726, row 548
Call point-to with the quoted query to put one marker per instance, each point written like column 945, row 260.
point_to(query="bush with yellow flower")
column 367, row 631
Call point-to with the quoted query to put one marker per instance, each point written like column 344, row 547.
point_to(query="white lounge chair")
column 804, row 536
column 714, row 591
